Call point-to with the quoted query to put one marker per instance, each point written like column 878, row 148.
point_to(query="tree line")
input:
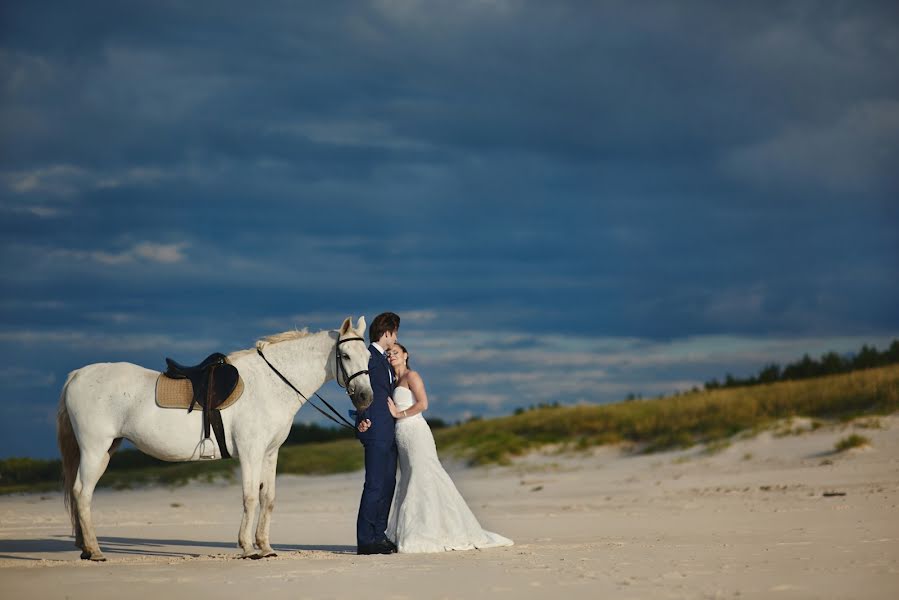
column 830, row 363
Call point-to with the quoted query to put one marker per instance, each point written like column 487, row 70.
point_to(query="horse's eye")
column 346, row 357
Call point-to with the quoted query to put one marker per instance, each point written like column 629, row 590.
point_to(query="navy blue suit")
column 379, row 443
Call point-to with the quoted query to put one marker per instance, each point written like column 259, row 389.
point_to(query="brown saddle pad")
column 178, row 393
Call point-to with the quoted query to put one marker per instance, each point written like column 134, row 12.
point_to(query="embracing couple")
column 429, row 514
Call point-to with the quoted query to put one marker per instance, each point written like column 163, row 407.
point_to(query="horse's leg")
column 266, row 504
column 79, row 535
column 250, row 470
column 91, row 467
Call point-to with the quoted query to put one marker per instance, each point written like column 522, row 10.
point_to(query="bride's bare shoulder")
column 413, row 378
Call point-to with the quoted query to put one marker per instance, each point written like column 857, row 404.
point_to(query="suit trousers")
column 377, row 493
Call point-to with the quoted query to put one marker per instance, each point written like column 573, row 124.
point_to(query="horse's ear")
column 347, row 323
column 360, row 326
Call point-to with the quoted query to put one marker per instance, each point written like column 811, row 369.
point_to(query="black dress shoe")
column 391, row 545
column 376, row 548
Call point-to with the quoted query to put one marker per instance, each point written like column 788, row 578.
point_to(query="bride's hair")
column 406, row 352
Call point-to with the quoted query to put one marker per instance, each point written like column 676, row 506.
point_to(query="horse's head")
column 352, row 357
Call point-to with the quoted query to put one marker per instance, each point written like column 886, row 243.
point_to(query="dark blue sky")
column 566, row 201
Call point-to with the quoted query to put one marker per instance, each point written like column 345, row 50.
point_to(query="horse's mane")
column 284, row 336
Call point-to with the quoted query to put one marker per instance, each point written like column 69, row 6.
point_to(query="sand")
column 769, row 516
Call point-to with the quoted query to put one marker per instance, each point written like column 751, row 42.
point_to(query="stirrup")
column 207, row 449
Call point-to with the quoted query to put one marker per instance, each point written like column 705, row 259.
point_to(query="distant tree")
column 769, row 374
column 832, row 363
column 310, row 433
column 892, row 355
column 866, row 358
column 800, row 370
column 437, row 423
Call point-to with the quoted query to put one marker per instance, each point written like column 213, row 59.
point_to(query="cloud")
column 65, row 181
column 56, row 180
column 491, row 401
column 73, row 340
column 118, row 318
column 142, row 251
column 22, row 377
column 857, row 152
column 160, row 253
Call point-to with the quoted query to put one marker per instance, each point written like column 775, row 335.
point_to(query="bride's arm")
column 421, row 396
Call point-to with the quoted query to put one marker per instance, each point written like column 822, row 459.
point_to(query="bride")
column 429, row 514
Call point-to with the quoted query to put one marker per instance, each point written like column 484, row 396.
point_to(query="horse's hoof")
column 254, row 556
column 97, row 557
column 269, row 554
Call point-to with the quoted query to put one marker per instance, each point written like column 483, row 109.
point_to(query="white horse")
column 103, row 403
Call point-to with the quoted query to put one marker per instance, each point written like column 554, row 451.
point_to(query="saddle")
column 214, row 385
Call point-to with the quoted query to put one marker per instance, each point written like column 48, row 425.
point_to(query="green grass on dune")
column 675, row 421
column 651, row 425
column 342, row 456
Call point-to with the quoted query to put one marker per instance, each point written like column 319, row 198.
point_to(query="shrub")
column 851, row 441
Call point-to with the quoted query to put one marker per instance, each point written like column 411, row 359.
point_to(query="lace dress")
column 428, row 512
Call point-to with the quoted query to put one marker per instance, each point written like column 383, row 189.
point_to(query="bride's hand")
column 392, row 408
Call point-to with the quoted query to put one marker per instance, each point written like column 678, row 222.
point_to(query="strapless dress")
column 428, row 512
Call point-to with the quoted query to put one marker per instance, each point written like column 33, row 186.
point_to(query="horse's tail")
column 69, row 452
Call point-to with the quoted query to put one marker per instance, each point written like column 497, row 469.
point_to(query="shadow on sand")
column 27, row 549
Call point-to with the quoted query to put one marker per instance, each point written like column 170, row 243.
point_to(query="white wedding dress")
column 428, row 512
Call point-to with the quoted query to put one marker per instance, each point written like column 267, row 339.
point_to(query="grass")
column 681, row 421
column 343, row 456
column 676, row 421
column 851, row 441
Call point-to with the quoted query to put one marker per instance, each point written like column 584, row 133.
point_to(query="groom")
column 375, row 427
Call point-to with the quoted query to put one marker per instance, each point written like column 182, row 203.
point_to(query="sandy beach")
column 769, row 516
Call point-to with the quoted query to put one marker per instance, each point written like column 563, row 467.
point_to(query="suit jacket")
column 382, row 422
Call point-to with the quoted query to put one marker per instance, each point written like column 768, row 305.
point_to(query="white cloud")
column 161, row 253
column 492, row 401
column 56, row 180
column 483, row 378
column 419, row 317
column 64, row 181
column 142, row 251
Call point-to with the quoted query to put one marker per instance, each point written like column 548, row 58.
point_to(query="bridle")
column 339, row 368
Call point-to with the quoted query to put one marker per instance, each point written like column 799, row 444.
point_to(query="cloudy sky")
column 565, row 201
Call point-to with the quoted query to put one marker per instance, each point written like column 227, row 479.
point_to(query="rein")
column 339, row 365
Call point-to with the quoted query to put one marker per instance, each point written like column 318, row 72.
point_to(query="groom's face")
column 391, row 338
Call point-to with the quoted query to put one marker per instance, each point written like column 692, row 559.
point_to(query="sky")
column 564, row 201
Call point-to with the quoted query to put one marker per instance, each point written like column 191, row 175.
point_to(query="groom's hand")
column 364, row 425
